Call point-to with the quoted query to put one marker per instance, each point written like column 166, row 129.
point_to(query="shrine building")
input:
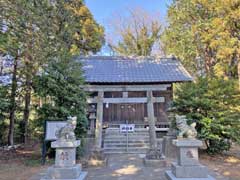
column 129, row 91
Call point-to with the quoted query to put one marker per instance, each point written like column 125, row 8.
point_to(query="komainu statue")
column 66, row 133
column 185, row 131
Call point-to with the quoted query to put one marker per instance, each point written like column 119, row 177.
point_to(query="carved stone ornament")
column 66, row 133
column 185, row 131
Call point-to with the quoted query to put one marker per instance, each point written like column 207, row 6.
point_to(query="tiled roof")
column 110, row 69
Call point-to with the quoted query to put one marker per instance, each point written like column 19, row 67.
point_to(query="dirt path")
column 17, row 171
column 223, row 165
column 131, row 167
column 20, row 164
column 125, row 167
column 23, row 164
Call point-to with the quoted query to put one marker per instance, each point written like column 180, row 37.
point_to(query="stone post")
column 99, row 119
column 154, row 156
column 169, row 150
column 97, row 151
column 151, row 120
column 187, row 165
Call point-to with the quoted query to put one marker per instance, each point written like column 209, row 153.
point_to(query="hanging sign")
column 127, row 127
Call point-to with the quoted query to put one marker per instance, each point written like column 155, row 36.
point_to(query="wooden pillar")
column 99, row 120
column 151, row 120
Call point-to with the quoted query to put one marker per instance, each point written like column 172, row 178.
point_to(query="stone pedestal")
column 169, row 150
column 158, row 163
column 155, row 158
column 65, row 167
column 187, row 166
column 97, row 158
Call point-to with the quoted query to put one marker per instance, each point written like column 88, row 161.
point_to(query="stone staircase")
column 136, row 142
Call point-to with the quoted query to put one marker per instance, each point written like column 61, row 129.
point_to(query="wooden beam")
column 154, row 87
column 126, row 100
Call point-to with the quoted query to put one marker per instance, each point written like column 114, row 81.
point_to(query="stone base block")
column 82, row 176
column 169, row 150
column 154, row 162
column 97, row 162
column 63, row 173
column 198, row 171
column 170, row 176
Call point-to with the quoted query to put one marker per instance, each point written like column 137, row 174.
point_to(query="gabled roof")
column 122, row 70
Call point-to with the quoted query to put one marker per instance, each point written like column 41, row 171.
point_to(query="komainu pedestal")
column 187, row 166
column 65, row 167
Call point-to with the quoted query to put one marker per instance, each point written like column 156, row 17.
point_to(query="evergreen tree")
column 38, row 32
column 59, row 87
column 215, row 105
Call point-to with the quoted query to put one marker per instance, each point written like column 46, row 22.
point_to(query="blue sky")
column 104, row 9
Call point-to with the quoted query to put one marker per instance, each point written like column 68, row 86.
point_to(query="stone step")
column 120, row 134
column 130, row 148
column 123, row 135
column 129, row 137
column 126, row 132
column 139, row 140
column 125, row 141
column 129, row 151
column 125, row 152
column 124, row 146
column 116, row 142
column 130, row 141
column 135, row 130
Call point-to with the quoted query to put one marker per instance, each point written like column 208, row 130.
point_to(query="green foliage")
column 204, row 34
column 58, row 86
column 204, row 30
column 73, row 29
column 4, row 104
column 36, row 33
column 215, row 105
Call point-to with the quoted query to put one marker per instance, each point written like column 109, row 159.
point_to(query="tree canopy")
column 207, row 32
column 135, row 33
column 37, row 33
column 204, row 35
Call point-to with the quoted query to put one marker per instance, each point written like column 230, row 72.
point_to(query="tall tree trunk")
column 238, row 67
column 27, row 101
column 12, row 107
